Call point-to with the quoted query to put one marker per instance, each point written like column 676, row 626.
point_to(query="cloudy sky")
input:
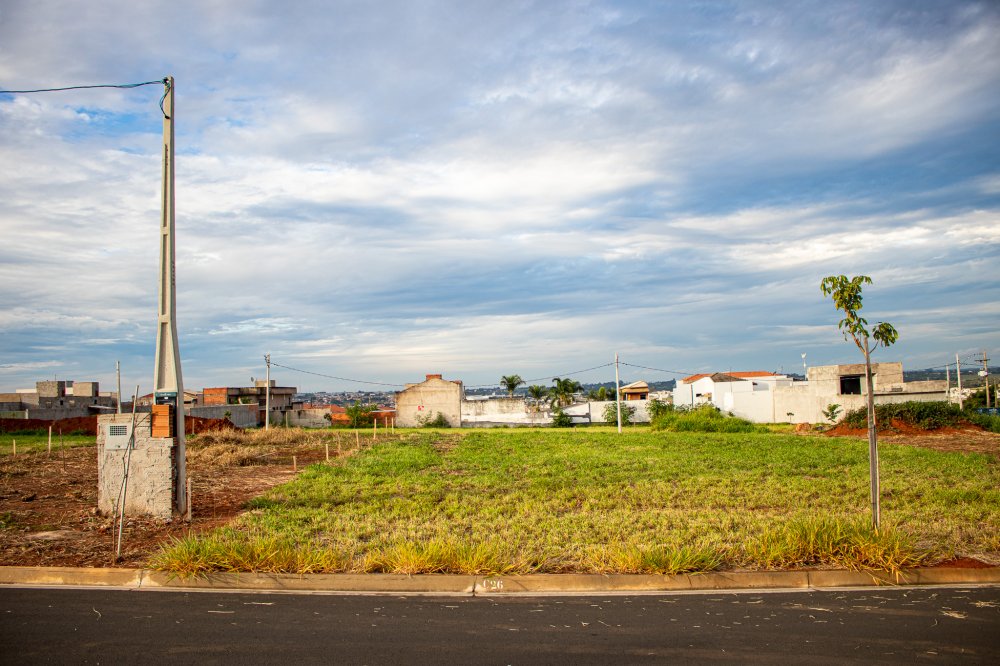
column 378, row 190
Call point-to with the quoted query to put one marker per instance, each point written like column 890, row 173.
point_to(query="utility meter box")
column 117, row 435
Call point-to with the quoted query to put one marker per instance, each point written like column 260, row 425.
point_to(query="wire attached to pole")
column 165, row 82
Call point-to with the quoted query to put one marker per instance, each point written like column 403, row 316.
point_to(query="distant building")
column 419, row 403
column 766, row 397
column 57, row 399
column 282, row 398
column 635, row 391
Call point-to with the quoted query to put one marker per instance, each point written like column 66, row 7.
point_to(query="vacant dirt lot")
column 48, row 506
column 48, row 515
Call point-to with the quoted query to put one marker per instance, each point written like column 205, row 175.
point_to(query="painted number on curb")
column 493, row 584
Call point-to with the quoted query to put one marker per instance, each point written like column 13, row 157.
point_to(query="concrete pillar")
column 150, row 490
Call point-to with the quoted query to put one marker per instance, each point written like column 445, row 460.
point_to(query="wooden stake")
column 295, row 464
column 50, row 442
column 15, row 447
column 357, row 439
column 327, row 443
column 188, row 513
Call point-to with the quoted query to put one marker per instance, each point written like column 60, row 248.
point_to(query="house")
column 635, row 391
column 719, row 388
column 766, row 397
column 844, row 385
column 419, row 403
column 191, row 399
column 282, row 398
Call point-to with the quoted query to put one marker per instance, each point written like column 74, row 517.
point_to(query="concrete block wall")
column 241, row 416
column 307, row 418
column 51, row 389
column 150, row 489
column 86, row 389
column 428, row 399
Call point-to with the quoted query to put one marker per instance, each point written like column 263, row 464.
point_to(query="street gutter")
column 460, row 585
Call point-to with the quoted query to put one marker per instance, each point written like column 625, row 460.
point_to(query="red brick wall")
column 216, row 396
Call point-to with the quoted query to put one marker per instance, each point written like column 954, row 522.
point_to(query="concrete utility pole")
column 267, row 393
column 958, row 371
column 618, row 395
column 986, row 377
column 168, row 385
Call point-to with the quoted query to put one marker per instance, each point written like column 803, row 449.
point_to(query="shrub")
column 925, row 415
column 832, row 412
column 705, row 418
column 429, row 421
column 656, row 407
column 611, row 414
column 986, row 421
column 561, row 419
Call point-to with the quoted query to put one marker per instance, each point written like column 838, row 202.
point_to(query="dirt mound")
column 900, row 427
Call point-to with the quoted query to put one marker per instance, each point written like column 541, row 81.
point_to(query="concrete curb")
column 451, row 585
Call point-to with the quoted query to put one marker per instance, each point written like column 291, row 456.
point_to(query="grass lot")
column 38, row 443
column 589, row 500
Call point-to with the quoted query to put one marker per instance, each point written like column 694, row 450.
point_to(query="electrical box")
column 117, row 436
column 163, row 421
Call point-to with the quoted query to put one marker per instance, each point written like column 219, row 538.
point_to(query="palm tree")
column 562, row 391
column 598, row 395
column 537, row 392
column 511, row 382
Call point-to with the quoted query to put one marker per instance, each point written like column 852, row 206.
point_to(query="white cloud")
column 492, row 187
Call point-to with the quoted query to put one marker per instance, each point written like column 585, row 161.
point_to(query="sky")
column 374, row 191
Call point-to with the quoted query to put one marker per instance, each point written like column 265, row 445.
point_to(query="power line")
column 539, row 379
column 165, row 82
column 343, row 379
column 673, row 372
column 101, row 85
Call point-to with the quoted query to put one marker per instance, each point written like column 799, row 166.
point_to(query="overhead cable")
column 539, row 379
column 343, row 379
column 673, row 372
column 165, row 82
column 102, row 85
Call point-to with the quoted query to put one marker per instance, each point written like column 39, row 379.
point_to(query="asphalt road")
column 874, row 625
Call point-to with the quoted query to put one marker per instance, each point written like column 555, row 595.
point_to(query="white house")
column 765, row 397
column 722, row 388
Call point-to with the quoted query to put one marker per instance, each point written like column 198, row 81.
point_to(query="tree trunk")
column 872, row 440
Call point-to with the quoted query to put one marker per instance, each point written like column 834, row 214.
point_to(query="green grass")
column 561, row 500
column 38, row 443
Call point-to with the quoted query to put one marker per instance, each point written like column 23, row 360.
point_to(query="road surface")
column 874, row 625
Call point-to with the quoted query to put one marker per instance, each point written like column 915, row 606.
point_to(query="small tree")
column 831, row 413
column 846, row 295
column 561, row 419
column 655, row 407
column 510, row 383
column 359, row 414
column 611, row 413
